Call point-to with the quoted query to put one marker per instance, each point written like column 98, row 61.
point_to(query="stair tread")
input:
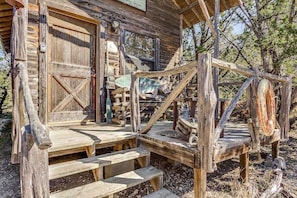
column 111, row 185
column 91, row 163
column 164, row 193
column 72, row 138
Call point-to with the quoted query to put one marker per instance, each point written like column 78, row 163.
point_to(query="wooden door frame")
column 43, row 55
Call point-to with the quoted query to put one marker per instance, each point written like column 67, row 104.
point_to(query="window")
column 140, row 52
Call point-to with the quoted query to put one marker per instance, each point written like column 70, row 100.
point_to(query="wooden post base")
column 199, row 183
column 244, row 167
column 275, row 149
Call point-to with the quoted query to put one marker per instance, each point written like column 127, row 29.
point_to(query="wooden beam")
column 230, row 108
column 188, row 7
column 175, row 92
column 246, row 71
column 209, row 8
column 169, row 72
column 195, row 11
column 206, row 104
column 207, row 17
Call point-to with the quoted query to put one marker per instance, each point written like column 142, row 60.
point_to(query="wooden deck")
column 73, row 139
column 235, row 142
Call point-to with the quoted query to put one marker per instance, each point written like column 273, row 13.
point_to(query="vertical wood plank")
column 244, row 167
column 157, row 54
column 175, row 114
column 284, row 122
column 98, row 173
column 253, row 124
column 181, row 29
column 98, row 76
column 42, row 70
column 101, row 72
column 206, row 104
column 275, row 149
column 216, row 55
column 134, row 98
column 157, row 183
column 199, row 183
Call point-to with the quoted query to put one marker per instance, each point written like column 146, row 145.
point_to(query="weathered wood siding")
column 160, row 21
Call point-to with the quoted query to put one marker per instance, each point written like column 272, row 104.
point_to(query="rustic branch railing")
column 227, row 113
column 33, row 138
column 208, row 135
column 191, row 70
column 285, row 102
column 38, row 130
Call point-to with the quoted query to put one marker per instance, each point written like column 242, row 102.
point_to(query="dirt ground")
column 177, row 177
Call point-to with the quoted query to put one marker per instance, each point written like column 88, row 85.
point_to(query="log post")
column 199, row 183
column 34, row 167
column 285, row 109
column 244, row 167
column 275, row 149
column 33, row 137
column 207, row 101
column 253, row 124
column 135, row 108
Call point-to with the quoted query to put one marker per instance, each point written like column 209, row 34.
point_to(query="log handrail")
column 168, row 72
column 190, row 68
column 247, row 71
column 38, row 130
column 254, row 72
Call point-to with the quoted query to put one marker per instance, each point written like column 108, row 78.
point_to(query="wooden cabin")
column 68, row 59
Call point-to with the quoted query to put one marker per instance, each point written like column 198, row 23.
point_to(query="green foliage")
column 5, row 90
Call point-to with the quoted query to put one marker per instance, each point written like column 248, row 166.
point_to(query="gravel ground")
column 177, row 177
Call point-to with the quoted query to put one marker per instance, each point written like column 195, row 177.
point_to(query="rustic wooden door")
column 71, row 69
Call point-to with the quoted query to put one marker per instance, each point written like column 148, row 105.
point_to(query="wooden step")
column 112, row 185
column 73, row 140
column 86, row 164
column 163, row 193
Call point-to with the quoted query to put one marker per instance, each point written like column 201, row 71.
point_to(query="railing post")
column 253, row 124
column 207, row 101
column 284, row 122
column 135, row 108
column 34, row 167
column 33, row 137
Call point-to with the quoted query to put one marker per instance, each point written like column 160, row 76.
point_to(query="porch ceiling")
column 190, row 10
column 5, row 23
column 192, row 13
